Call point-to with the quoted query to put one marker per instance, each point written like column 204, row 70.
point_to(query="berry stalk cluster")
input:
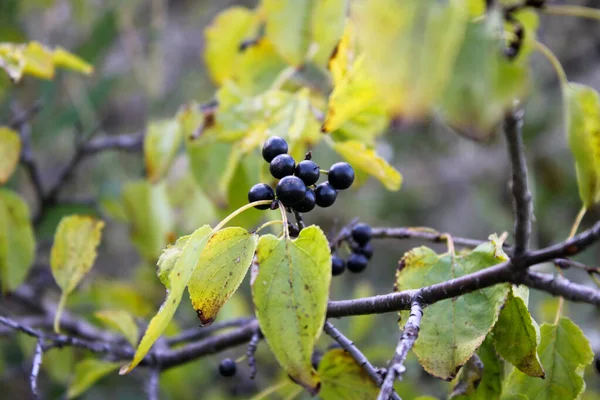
column 362, row 251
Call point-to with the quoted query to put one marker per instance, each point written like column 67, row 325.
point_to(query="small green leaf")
column 220, row 271
column 516, row 336
column 453, row 329
column 161, row 143
column 168, row 258
column 121, row 321
column 73, row 254
column 343, row 379
column 564, row 351
column 290, row 292
column 10, row 150
column 88, row 372
column 17, row 242
column 178, row 278
column 365, row 159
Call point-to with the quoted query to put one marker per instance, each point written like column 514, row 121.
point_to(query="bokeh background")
column 148, row 60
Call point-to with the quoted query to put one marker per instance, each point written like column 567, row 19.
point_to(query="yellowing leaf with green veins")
column 150, row 217
column 583, row 130
column 453, row 329
column 365, row 159
column 161, row 143
column 565, row 352
column 517, row 336
column 409, row 48
column 88, row 372
column 17, row 242
column 290, row 292
column 178, row 278
column 10, row 151
column 73, row 254
column 121, row 321
column 220, row 271
column 343, row 379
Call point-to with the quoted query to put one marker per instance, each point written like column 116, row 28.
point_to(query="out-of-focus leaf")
column 58, row 364
column 343, row 379
column 88, row 372
column 10, row 150
column 290, row 292
column 121, row 321
column 328, row 20
column 150, row 217
column 114, row 209
column 114, row 294
column 468, row 379
column 362, row 325
column 365, row 159
column 161, row 143
column 17, row 242
column 191, row 204
column 453, row 329
column 73, row 254
column 178, row 280
column 220, row 271
column 564, row 351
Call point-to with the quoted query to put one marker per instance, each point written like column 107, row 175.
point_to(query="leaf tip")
column 125, row 369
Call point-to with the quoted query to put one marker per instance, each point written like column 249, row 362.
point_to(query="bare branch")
column 153, row 384
column 568, row 248
column 252, row 346
column 35, row 368
column 427, row 234
column 197, row 333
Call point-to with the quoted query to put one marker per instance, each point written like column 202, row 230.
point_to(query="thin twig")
column 35, row 368
column 407, row 340
column 153, row 384
column 250, row 353
column 197, row 333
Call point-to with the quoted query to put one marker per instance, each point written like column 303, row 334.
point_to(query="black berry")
column 261, row 191
column 291, row 190
column 273, row 147
column 308, row 171
column 362, row 233
column 325, row 194
column 341, row 175
column 337, row 266
column 227, row 367
column 307, row 203
column 356, row 263
column 282, row 165
column 366, row 250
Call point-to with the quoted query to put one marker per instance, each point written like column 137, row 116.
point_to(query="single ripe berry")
column 261, row 191
column 362, row 234
column 307, row 203
column 325, row 194
column 282, row 165
column 273, row 147
column 337, row 266
column 356, row 263
column 290, row 190
column 341, row 175
column 308, row 171
column 227, row 367
column 366, row 250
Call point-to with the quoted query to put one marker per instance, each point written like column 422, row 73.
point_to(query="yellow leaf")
column 88, row 372
column 10, row 150
column 63, row 58
column 363, row 158
column 73, row 254
column 38, row 61
column 121, row 321
column 161, row 143
column 343, row 55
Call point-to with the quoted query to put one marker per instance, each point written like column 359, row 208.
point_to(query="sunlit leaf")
column 88, row 372
column 343, row 379
column 564, row 351
column 453, row 329
column 161, row 142
column 10, row 150
column 178, row 279
column 17, row 242
column 121, row 321
column 73, row 254
column 290, row 292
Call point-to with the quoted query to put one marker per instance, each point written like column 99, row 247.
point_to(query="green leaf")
column 564, row 351
column 452, row 329
column 10, row 150
column 73, row 254
column 121, row 321
column 583, row 129
column 17, row 242
column 168, row 258
column 343, row 379
column 516, row 336
column 290, row 292
column 88, row 372
column 328, row 20
column 178, row 278
column 150, row 217
column 365, row 159
column 161, row 143
column 361, row 325
column 220, row 271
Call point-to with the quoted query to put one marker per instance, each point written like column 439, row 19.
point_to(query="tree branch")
column 153, row 384
column 35, row 368
column 252, row 346
column 194, row 334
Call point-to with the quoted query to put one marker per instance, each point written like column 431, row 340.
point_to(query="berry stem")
column 267, row 224
column 324, row 171
column 286, row 229
column 239, row 211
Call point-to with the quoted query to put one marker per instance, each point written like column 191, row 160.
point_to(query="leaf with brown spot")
column 343, row 379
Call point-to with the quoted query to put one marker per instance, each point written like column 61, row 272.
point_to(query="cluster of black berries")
column 362, row 251
column 297, row 182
